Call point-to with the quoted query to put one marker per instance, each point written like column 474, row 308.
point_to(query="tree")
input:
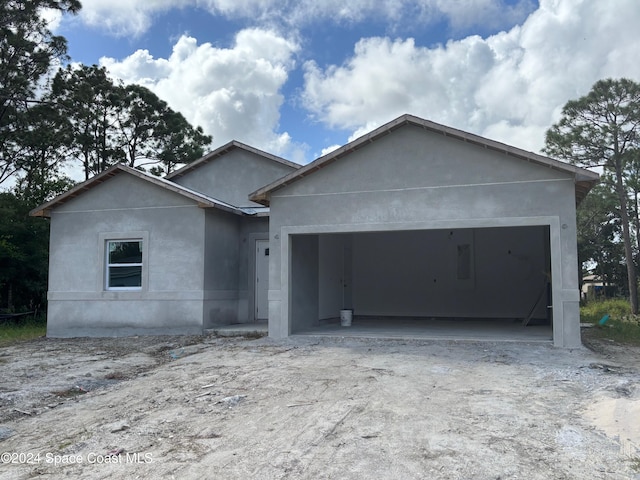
column 152, row 133
column 45, row 140
column 90, row 101
column 602, row 129
column 27, row 51
column 114, row 123
column 598, row 225
column 24, row 243
column 632, row 180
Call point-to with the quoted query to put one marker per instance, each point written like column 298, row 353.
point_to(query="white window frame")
column 108, row 237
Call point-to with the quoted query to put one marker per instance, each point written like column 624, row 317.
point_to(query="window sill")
column 122, row 294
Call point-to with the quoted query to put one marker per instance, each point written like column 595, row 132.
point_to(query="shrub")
column 616, row 308
column 622, row 326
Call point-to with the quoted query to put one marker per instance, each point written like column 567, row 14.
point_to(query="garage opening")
column 465, row 282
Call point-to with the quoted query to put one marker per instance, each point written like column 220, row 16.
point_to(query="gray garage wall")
column 335, row 284
column 171, row 300
column 413, row 179
column 304, row 275
column 415, row 273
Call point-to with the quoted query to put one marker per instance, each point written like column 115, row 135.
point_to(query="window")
column 124, row 264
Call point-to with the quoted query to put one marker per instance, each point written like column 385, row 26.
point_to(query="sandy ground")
column 315, row 408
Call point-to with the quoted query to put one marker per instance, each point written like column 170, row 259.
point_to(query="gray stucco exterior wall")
column 173, row 232
column 198, row 268
column 221, row 255
column 416, row 180
column 229, row 267
column 304, row 273
column 232, row 177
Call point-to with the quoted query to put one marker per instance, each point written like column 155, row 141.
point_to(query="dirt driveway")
column 175, row 407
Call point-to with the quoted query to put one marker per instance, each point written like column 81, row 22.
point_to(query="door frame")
column 563, row 298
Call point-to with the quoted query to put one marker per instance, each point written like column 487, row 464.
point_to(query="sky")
column 298, row 78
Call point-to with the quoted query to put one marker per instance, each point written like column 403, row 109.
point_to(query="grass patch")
column 622, row 327
column 22, row 329
column 616, row 308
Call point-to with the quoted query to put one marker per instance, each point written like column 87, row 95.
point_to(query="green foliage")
column 90, row 103
column 45, row 140
column 20, row 330
column 621, row 331
column 27, row 51
column 152, row 133
column 599, row 128
column 113, row 123
column 599, row 231
column 622, row 326
column 616, row 308
column 602, row 129
column 23, row 256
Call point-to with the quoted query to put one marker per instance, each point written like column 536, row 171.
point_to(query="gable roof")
column 203, row 201
column 584, row 179
column 223, row 150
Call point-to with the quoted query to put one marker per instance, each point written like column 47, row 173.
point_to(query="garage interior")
column 447, row 283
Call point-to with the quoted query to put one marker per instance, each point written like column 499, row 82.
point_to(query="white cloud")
column 329, row 149
column 124, row 17
column 387, row 78
column 488, row 13
column 233, row 93
column 510, row 86
column 131, row 17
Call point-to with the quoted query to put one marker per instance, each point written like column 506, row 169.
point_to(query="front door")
column 262, row 280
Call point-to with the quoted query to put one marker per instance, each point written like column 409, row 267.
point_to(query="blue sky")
column 298, row 77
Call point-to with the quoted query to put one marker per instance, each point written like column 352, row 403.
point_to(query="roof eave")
column 583, row 187
column 201, row 201
column 44, row 210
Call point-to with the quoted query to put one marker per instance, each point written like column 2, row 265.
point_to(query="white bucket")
column 345, row 317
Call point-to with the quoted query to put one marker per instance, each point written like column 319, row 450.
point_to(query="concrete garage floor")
column 507, row 330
